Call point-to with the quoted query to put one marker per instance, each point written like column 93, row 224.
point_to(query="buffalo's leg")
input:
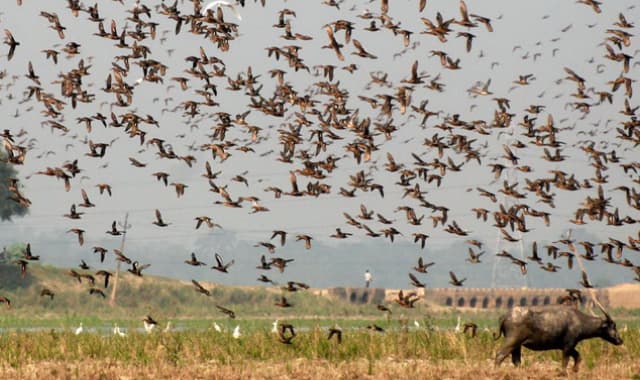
column 509, row 347
column 576, row 359
column 567, row 353
column 504, row 351
column 565, row 361
column 516, row 354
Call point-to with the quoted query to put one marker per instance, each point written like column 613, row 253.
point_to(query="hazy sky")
column 534, row 37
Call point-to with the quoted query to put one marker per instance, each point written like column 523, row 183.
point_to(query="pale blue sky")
column 530, row 25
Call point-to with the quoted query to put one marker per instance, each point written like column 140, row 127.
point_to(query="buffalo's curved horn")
column 595, row 299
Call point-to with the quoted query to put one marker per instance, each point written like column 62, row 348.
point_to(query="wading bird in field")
column 117, row 332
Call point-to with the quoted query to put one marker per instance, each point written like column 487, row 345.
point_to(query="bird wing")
column 197, row 285
column 358, row 46
column 84, row 196
column 463, row 10
column 230, row 313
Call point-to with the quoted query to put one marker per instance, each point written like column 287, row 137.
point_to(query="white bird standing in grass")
column 458, row 328
column 116, row 331
column 148, row 327
column 222, row 3
column 274, row 327
column 79, row 329
column 217, row 327
column 236, row 332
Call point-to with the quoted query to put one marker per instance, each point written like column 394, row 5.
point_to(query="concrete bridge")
column 482, row 298
column 497, row 298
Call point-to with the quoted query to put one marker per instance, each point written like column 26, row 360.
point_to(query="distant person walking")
column 367, row 278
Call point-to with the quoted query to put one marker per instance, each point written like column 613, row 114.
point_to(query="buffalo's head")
column 608, row 329
column 609, row 332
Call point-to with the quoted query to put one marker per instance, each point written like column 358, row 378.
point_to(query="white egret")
column 116, row 331
column 148, row 327
column 236, row 332
column 79, row 329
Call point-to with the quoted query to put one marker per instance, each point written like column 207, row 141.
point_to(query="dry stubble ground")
column 312, row 369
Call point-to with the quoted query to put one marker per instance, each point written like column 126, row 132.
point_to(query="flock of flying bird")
column 325, row 127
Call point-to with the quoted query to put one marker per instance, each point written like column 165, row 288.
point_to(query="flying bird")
column 200, row 289
column 194, row 260
column 9, row 40
column 454, row 280
column 159, row 222
column 220, row 265
column 226, row 311
column 222, row 3
column 415, row 282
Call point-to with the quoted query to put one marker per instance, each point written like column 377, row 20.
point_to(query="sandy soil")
column 308, row 370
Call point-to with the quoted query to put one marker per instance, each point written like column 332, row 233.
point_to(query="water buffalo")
column 557, row 327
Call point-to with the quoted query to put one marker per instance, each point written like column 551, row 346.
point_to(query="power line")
column 125, row 226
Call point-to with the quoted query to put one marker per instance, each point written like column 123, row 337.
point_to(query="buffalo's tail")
column 500, row 330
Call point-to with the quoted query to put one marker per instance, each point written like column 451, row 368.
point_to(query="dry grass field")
column 413, row 354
